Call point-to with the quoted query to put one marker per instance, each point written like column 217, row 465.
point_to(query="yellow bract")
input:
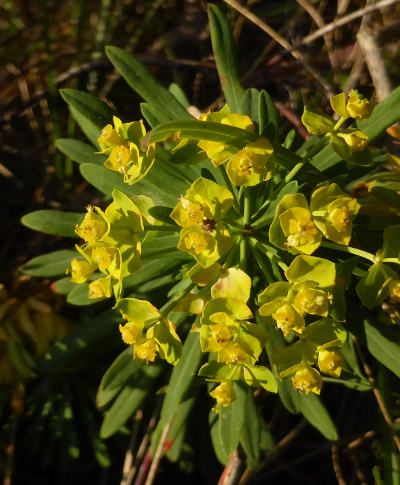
column 94, row 226
column 100, row 288
column 130, row 332
column 224, row 394
column 81, row 270
column 287, row 319
column 307, row 379
column 330, row 362
column 251, row 165
column 314, row 302
column 123, row 144
column 358, row 107
column 145, row 349
column 217, row 152
column 300, row 230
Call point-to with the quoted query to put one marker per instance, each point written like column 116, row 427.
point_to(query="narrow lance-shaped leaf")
column 58, row 223
column 225, row 57
column 141, row 81
column 91, row 113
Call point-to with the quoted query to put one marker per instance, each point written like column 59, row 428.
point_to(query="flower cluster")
column 287, row 305
column 149, row 331
column 299, row 227
column 112, row 246
column 248, row 166
column 346, row 142
column 237, row 343
column 122, row 142
column 200, row 214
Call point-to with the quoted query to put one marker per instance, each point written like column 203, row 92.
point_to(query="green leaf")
column 201, row 130
column 231, row 419
column 391, row 242
column 373, row 288
column 63, row 286
column 91, row 114
column 51, row 264
column 225, row 57
column 215, row 438
column 267, row 117
column 58, row 223
column 93, row 337
column 79, row 296
column 267, row 217
column 181, row 377
column 249, row 105
column 179, row 94
column 161, row 187
column 115, row 377
column 317, row 415
column 141, row 81
column 150, row 114
column 382, row 340
column 130, row 399
column 250, row 434
column 79, row 152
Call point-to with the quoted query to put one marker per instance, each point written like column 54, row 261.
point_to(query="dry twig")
column 281, row 41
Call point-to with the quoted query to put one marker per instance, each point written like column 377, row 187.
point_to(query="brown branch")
column 157, row 456
column 377, row 394
column 127, row 477
column 345, row 20
column 281, row 41
column 375, row 63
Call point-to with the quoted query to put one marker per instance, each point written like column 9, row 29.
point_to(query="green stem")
column 339, row 124
column 391, row 260
column 313, row 151
column 230, row 186
column 155, row 227
column 242, row 254
column 169, row 306
column 350, row 250
column 247, row 206
column 258, row 257
column 271, row 252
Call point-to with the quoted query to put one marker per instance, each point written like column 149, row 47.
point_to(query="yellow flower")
column 119, row 159
column 224, row 394
column 187, row 213
column 357, row 106
column 81, row 270
column 93, row 227
column 104, row 256
column 196, row 243
column 251, row 165
column 330, row 362
column 100, row 288
column 307, row 379
column 234, row 353
column 300, row 230
column 217, row 152
column 314, row 302
column 109, row 137
column 356, row 140
column 394, row 291
column 145, row 349
column 130, row 332
column 220, row 336
column 287, row 319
